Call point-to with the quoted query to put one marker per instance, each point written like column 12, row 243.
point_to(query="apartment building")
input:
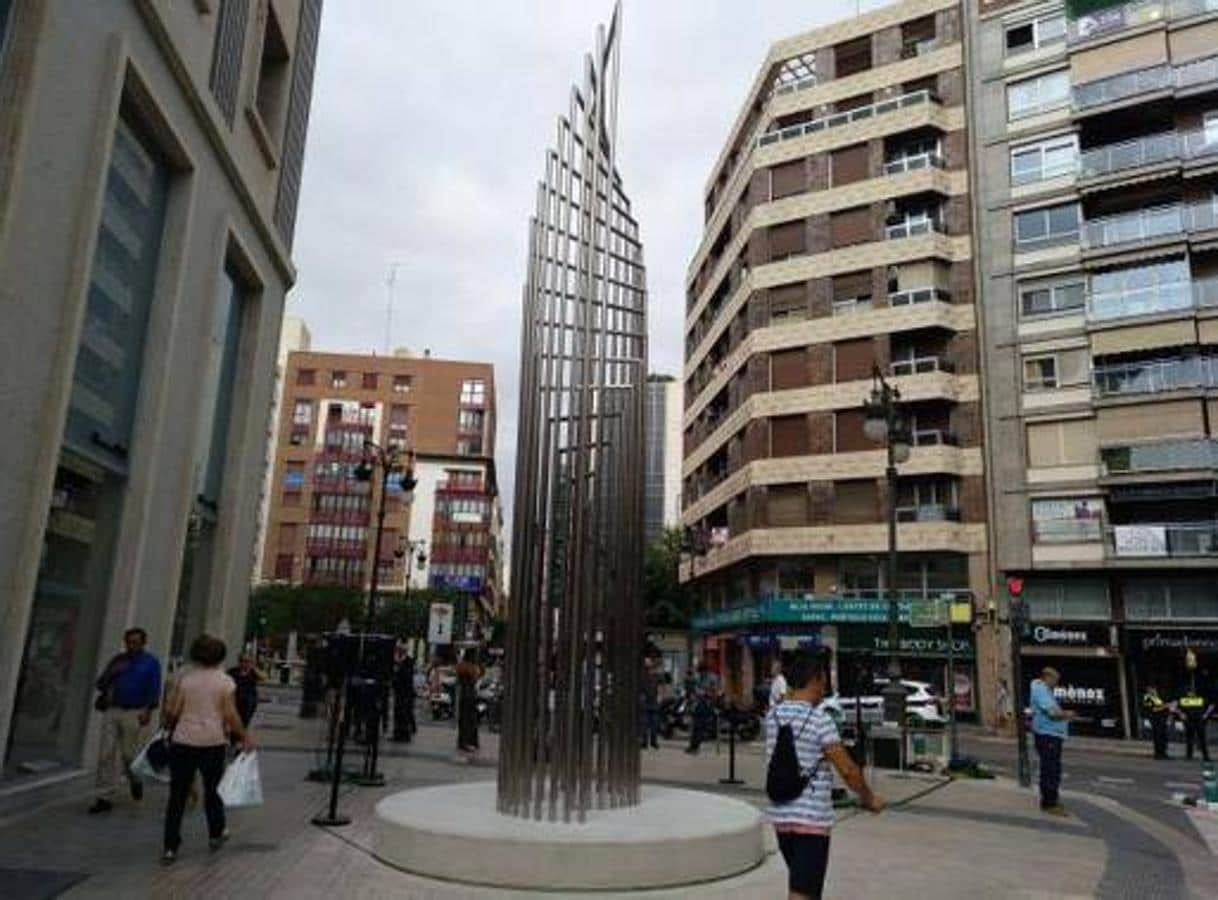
column 662, row 456
column 150, row 168
column 322, row 520
column 837, row 243
column 1096, row 138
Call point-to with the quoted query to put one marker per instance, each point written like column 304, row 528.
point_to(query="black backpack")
column 785, row 781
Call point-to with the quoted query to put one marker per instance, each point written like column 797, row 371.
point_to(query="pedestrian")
column 1158, row 712
column 201, row 716
column 1050, row 724
column 246, row 677
column 803, row 825
column 128, row 690
column 404, row 725
column 778, row 684
column 649, row 701
column 706, row 693
column 468, row 673
column 1195, row 710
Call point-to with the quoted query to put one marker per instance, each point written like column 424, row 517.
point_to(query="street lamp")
column 391, row 460
column 884, row 424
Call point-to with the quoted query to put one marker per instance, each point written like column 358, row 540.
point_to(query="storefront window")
column 859, row 576
column 1081, row 598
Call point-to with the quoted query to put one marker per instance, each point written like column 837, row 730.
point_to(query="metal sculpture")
column 570, row 732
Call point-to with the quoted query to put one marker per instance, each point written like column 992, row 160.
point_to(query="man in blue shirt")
column 129, row 689
column 1050, row 724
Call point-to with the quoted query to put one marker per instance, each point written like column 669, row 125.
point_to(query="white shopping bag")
column 241, row 784
column 142, row 766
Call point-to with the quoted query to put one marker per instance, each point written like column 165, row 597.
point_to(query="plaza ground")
column 939, row 839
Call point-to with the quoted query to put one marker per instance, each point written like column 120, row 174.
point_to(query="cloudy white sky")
column 426, row 141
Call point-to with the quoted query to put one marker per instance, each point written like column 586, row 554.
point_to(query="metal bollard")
column 732, row 723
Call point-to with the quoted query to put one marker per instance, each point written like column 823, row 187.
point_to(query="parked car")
column 922, row 705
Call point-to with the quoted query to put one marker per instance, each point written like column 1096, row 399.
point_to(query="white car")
column 921, row 704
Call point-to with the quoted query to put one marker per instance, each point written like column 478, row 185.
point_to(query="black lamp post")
column 391, row 460
column 884, row 424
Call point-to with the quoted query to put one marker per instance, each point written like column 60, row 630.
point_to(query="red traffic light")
column 1014, row 586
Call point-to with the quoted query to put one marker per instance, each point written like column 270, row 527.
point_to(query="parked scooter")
column 490, row 704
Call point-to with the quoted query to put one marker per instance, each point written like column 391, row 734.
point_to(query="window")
column 338, row 379
column 787, row 239
column 469, row 447
column 283, row 566
column 1046, row 227
column 306, row 377
column 788, row 303
column 473, row 392
column 227, row 52
column 470, row 420
column 1038, row 95
column 402, row 384
column 850, row 164
column 273, row 77
column 851, row 226
column 1072, row 442
column 219, row 375
column 1139, row 290
column 917, row 37
column 1078, row 598
column 787, row 179
column 1180, row 597
column 1041, row 32
column 1040, row 373
column 1040, row 299
column 852, row 57
column 398, row 414
column 1043, row 160
column 302, row 413
column 369, row 381
column 1067, row 521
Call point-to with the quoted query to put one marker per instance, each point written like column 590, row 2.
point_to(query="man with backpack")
column 800, row 739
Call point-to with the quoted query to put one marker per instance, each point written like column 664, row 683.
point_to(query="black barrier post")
column 332, row 818
column 732, row 721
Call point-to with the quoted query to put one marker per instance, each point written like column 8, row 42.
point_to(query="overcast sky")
column 426, row 141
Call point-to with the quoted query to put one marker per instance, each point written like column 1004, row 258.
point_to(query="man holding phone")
column 1050, row 725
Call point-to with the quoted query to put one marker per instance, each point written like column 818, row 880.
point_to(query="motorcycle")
column 443, row 703
column 674, row 716
column 490, row 705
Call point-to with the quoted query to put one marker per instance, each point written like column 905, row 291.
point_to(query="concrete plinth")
column 673, row 837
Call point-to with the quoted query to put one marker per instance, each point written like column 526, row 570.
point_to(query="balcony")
column 1201, row 71
column 914, row 296
column 1151, row 299
column 1117, row 18
column 920, row 365
column 803, row 129
column 1158, row 540
column 914, row 163
column 1161, row 456
column 911, row 227
column 928, row 512
column 340, row 517
column 1155, row 376
column 932, row 437
column 1136, row 225
column 1123, row 86
column 342, row 549
column 1143, row 151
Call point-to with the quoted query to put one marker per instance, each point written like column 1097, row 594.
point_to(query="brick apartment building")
column 321, row 524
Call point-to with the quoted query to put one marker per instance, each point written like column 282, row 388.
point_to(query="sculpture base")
column 673, row 837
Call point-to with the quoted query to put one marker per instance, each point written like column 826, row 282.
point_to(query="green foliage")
column 666, row 604
column 276, row 609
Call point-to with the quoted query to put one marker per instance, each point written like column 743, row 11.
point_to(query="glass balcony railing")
column 914, row 296
column 928, row 512
column 844, row 118
column 920, row 365
column 1155, row 376
column 912, row 228
column 1122, row 86
column 933, row 437
column 1161, row 456
column 1135, row 225
column 1198, row 71
column 1143, row 151
column 914, row 163
column 1171, row 539
column 1139, row 301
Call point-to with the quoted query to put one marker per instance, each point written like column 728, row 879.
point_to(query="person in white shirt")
column 778, row 684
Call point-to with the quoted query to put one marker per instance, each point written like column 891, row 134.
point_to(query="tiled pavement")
column 966, row 839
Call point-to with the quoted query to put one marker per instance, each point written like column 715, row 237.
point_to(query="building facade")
column 293, row 337
column 662, row 456
column 322, row 519
column 1095, row 128
column 837, row 243
column 150, row 164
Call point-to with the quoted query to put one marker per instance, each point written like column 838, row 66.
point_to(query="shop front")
column 862, row 655
column 1086, row 655
column 1158, row 655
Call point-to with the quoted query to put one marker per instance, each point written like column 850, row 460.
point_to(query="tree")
column 276, row 609
column 666, row 603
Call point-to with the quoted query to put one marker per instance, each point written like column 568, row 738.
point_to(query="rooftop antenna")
column 389, row 284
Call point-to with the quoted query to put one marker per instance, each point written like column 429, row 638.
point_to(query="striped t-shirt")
column 813, row 730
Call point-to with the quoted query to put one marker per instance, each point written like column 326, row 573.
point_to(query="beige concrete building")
column 1096, row 133
column 150, row 164
column 837, row 241
column 321, row 523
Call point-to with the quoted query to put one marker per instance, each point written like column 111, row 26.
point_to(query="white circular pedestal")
column 673, row 837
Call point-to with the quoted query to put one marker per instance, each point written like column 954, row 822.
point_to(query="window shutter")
column 854, row 359
column 788, row 436
column 855, row 502
column 849, row 164
column 851, row 226
column 787, row 179
column 225, row 78
column 298, row 118
column 787, row 505
column 788, row 369
column 787, row 239
column 789, row 301
column 852, row 286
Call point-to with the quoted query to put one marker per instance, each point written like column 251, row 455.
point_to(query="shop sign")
column 1069, row 635
column 1090, row 687
column 1177, row 640
column 812, row 610
column 466, row 584
column 440, row 623
column 911, row 643
column 1140, row 540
